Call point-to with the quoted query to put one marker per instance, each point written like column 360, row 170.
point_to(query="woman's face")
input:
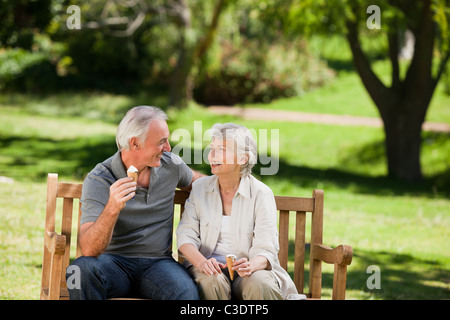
column 222, row 157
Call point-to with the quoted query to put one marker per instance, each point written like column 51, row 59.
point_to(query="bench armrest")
column 55, row 243
column 341, row 255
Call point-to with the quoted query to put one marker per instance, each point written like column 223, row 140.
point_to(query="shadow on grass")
column 32, row 158
column 402, row 276
column 307, row 177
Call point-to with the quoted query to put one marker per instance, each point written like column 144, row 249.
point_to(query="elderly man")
column 126, row 226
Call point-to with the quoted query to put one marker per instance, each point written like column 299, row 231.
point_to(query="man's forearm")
column 96, row 236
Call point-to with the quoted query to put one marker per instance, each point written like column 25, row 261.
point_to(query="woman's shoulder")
column 204, row 182
column 259, row 186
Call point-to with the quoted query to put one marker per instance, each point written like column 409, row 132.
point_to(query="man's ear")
column 135, row 143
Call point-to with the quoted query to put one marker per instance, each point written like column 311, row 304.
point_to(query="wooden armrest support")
column 341, row 255
column 55, row 243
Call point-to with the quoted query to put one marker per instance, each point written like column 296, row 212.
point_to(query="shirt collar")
column 119, row 170
column 118, row 167
column 244, row 188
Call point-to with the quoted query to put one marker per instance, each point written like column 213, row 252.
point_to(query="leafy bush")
column 14, row 62
column 258, row 72
column 31, row 70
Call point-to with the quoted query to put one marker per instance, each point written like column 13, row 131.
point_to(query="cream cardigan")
column 253, row 225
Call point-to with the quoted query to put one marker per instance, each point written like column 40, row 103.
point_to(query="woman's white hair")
column 243, row 140
column 135, row 124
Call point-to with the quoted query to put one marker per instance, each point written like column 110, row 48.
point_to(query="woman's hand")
column 245, row 268
column 211, row 266
column 242, row 267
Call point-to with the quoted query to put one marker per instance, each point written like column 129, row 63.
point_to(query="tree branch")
column 207, row 39
column 441, row 69
column 372, row 83
column 419, row 74
column 393, row 56
column 110, row 17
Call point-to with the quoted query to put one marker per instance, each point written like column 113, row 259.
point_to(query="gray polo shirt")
column 144, row 225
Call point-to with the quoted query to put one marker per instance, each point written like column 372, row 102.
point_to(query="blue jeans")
column 109, row 276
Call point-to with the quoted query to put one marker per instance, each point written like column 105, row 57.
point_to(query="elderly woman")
column 231, row 212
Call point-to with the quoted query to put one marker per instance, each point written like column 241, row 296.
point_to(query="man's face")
column 155, row 144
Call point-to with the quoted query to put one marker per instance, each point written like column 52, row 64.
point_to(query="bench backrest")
column 71, row 208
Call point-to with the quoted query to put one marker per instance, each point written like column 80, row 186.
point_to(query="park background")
column 65, row 86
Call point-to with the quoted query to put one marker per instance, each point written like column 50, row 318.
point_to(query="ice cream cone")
column 230, row 260
column 133, row 173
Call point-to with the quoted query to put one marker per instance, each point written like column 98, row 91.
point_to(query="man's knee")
column 83, row 265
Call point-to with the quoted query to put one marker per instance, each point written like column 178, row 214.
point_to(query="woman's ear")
column 243, row 160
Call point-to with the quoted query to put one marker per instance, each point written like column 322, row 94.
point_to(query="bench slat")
column 69, row 190
column 294, row 203
column 78, row 253
column 283, row 238
column 299, row 260
column 66, row 230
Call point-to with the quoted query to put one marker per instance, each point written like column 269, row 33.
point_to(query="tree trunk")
column 403, row 142
column 180, row 91
column 190, row 53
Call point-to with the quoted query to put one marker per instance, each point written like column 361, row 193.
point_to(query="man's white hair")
column 135, row 124
column 243, row 141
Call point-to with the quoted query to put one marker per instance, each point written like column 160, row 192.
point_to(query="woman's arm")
column 208, row 266
column 188, row 239
column 265, row 232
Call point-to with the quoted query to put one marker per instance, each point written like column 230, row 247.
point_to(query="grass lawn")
column 346, row 95
column 402, row 229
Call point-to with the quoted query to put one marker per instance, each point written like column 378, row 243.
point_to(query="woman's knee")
column 213, row 287
column 261, row 285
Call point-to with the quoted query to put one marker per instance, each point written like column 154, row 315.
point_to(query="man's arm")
column 96, row 236
column 195, row 175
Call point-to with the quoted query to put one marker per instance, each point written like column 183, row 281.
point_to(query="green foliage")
column 19, row 18
column 247, row 62
column 312, row 17
column 255, row 71
column 15, row 61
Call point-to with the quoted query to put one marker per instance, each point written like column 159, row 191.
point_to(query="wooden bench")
column 57, row 247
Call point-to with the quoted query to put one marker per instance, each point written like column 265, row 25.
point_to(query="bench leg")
column 339, row 281
column 54, row 288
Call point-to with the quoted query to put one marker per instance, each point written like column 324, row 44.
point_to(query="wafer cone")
column 133, row 173
column 230, row 260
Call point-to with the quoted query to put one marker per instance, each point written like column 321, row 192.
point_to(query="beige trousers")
column 260, row 285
